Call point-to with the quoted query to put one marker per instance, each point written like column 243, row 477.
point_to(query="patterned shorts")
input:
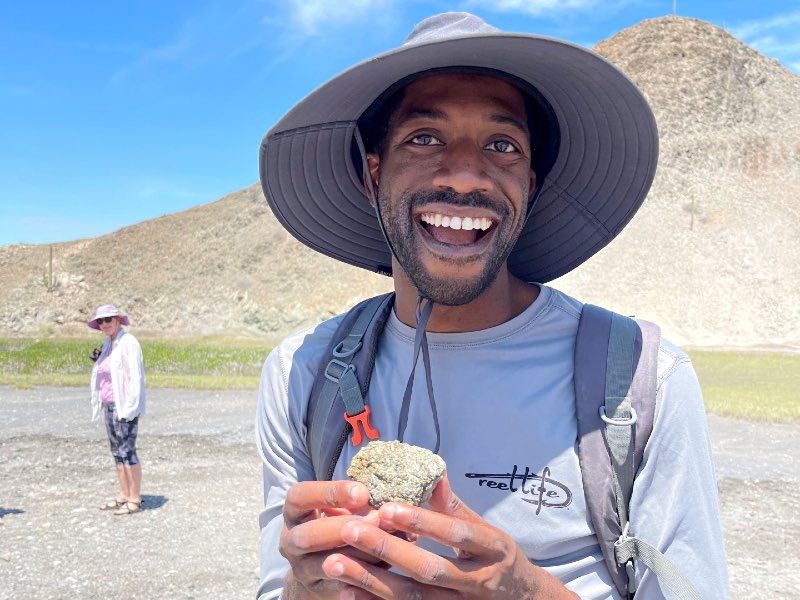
column 122, row 437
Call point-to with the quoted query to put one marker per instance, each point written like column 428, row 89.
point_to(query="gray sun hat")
column 107, row 310
column 595, row 161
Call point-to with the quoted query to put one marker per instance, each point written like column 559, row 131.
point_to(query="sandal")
column 128, row 508
column 112, row 504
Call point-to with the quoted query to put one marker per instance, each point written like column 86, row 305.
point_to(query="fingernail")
column 350, row 532
column 355, row 493
column 347, row 595
column 336, row 569
column 389, row 511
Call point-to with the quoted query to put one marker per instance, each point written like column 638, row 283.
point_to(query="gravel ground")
column 197, row 538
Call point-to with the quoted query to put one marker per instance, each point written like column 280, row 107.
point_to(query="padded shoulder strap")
column 612, row 353
column 342, row 382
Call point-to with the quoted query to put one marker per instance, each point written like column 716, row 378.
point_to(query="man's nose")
column 463, row 169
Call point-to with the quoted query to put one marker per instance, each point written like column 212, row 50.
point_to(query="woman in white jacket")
column 118, row 391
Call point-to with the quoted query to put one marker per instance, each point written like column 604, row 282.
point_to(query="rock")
column 397, row 472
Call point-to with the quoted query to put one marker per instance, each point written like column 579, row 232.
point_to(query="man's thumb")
column 444, row 501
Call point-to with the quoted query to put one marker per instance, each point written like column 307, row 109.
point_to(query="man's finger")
column 306, row 497
column 370, row 581
column 468, row 538
column 313, row 536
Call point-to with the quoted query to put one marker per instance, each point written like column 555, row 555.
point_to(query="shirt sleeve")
column 285, row 461
column 675, row 503
column 133, row 377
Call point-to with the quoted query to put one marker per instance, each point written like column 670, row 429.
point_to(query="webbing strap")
column 618, row 413
column 420, row 343
column 632, row 548
column 340, row 374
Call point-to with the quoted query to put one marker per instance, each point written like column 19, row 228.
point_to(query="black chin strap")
column 423, row 313
column 424, row 309
column 371, row 192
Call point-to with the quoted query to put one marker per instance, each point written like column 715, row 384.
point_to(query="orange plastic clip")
column 363, row 418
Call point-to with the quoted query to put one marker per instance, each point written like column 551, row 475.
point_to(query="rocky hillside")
column 227, row 267
column 713, row 256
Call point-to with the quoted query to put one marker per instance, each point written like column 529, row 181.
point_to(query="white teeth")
column 466, row 223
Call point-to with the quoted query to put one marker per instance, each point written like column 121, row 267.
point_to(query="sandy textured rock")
column 397, row 472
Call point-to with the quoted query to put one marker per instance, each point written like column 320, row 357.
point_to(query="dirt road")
column 198, row 537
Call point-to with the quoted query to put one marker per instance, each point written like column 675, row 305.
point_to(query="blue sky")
column 112, row 113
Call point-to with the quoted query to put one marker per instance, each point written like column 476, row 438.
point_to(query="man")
column 473, row 166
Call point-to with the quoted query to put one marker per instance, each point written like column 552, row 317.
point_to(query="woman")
column 118, row 390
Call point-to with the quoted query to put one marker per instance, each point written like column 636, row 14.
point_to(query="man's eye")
column 425, row 140
column 503, row 146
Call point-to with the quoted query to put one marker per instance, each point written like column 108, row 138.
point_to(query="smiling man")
column 474, row 166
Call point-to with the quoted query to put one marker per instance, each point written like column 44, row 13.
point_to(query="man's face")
column 453, row 182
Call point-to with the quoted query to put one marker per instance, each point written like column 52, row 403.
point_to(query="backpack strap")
column 336, row 405
column 616, row 361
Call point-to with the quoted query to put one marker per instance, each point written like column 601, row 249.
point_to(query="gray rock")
column 397, row 472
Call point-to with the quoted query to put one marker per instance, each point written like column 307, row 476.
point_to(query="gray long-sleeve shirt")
column 506, row 404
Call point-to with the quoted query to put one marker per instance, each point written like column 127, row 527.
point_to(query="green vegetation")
column 758, row 386
column 201, row 363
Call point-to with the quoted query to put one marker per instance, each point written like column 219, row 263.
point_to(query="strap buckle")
column 343, row 368
column 340, row 352
column 611, row 421
column 363, row 419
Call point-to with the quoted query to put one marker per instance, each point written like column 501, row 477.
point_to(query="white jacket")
column 127, row 377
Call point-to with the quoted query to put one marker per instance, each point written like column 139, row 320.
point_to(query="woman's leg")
column 133, row 469
column 115, row 441
column 124, row 483
column 133, row 475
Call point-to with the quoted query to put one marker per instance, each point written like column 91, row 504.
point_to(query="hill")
column 713, row 256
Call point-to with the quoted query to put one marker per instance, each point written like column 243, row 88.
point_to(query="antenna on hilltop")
column 674, row 7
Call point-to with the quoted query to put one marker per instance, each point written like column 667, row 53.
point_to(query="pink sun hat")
column 107, row 310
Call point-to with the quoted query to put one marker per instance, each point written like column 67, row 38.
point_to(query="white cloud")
column 773, row 46
column 748, row 29
column 775, row 36
column 309, row 15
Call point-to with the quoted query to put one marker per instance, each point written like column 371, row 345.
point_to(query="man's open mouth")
column 455, row 230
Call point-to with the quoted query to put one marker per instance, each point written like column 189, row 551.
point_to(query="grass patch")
column 755, row 386
column 202, row 363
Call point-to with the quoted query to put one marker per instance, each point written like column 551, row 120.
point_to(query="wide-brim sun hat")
column 596, row 165
column 107, row 310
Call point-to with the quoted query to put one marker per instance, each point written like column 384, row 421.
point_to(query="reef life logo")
column 540, row 490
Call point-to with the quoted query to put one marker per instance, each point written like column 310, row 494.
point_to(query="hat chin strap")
column 373, row 195
column 423, row 313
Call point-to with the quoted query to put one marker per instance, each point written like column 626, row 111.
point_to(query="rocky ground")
column 197, row 539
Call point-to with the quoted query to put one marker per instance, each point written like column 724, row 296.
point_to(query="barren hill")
column 713, row 256
column 227, row 267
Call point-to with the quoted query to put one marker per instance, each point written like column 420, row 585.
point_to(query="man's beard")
column 399, row 229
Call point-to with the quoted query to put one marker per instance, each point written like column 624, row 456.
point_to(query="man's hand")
column 489, row 564
column 314, row 514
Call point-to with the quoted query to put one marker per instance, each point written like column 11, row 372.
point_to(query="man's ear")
column 373, row 171
column 533, row 181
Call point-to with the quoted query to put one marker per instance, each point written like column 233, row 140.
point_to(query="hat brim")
column 122, row 319
column 607, row 152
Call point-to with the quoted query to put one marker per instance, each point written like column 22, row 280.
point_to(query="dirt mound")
column 713, row 253
column 712, row 256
